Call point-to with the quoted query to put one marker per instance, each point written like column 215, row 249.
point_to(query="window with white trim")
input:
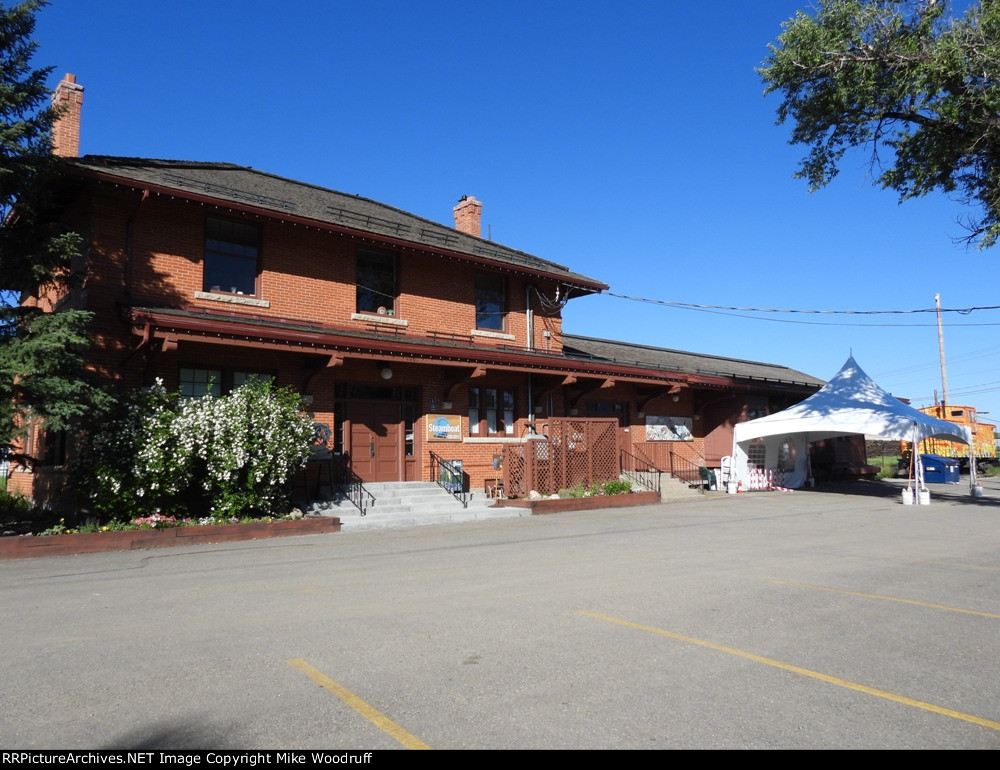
column 491, row 412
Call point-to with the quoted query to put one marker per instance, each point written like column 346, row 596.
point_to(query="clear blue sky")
column 629, row 141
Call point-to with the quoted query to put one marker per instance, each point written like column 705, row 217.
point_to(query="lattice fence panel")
column 515, row 483
column 603, row 453
column 543, row 460
column 574, row 451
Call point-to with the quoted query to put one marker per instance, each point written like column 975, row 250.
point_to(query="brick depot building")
column 407, row 338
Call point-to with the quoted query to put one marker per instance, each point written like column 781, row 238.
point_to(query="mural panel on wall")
column 664, row 428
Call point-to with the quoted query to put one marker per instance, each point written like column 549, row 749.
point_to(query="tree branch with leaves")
column 909, row 81
column 41, row 353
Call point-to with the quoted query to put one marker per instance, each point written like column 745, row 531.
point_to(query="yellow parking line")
column 888, row 598
column 802, row 671
column 369, row 712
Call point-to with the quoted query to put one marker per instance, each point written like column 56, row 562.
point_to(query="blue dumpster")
column 940, row 470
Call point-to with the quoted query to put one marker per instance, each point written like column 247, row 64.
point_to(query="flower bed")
column 24, row 546
column 561, row 505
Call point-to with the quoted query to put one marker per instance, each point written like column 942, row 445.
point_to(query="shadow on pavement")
column 953, row 493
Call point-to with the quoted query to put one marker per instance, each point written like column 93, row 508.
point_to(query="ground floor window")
column 491, row 412
column 408, row 420
column 338, row 428
column 195, row 383
column 54, row 443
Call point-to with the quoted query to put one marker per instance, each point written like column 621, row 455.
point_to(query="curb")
column 27, row 546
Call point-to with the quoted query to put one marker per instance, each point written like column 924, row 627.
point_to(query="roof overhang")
column 576, row 282
column 172, row 327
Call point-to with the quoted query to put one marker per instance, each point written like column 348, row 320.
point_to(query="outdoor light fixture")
column 675, row 398
column 386, row 371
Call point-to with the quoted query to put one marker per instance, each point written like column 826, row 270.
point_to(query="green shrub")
column 229, row 456
column 617, row 487
column 14, row 507
column 577, row 490
column 614, row 487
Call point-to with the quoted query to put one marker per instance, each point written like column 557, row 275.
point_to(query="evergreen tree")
column 41, row 365
column 908, row 80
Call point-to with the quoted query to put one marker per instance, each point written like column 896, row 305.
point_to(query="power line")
column 734, row 311
column 962, row 311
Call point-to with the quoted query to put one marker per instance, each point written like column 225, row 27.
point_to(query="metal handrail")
column 640, row 471
column 354, row 489
column 685, row 470
column 455, row 488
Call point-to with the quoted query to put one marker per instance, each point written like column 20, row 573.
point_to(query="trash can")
column 940, row 470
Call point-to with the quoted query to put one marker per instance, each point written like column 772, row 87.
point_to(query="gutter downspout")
column 529, row 320
column 129, row 231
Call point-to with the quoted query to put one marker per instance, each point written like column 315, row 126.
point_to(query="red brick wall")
column 306, row 274
column 150, row 252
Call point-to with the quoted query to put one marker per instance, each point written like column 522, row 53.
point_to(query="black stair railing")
column 353, row 488
column 688, row 472
column 640, row 471
column 450, row 477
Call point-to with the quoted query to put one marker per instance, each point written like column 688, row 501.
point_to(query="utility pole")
column 944, row 372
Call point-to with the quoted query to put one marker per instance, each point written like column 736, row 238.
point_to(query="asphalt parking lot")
column 821, row 619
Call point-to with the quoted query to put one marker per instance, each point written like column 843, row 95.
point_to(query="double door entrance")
column 381, row 440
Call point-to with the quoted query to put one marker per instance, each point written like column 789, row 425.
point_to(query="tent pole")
column 972, row 463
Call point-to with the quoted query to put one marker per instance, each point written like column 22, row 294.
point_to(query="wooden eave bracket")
column 147, row 334
column 325, row 364
column 673, row 390
column 168, row 343
column 604, row 384
column 550, row 385
column 449, row 388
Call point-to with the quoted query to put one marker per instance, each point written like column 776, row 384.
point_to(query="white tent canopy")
column 850, row 403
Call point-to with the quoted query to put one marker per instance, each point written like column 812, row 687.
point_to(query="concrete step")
column 406, row 504
column 670, row 488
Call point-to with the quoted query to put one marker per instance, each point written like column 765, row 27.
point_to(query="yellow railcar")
column 983, row 435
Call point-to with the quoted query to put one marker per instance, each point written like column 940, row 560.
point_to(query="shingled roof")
column 590, row 348
column 286, row 198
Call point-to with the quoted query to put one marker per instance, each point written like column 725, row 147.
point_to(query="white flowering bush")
column 228, row 456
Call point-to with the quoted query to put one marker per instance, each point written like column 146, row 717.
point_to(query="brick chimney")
column 68, row 99
column 468, row 214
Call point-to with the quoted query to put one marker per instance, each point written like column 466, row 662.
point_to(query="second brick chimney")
column 68, row 99
column 468, row 215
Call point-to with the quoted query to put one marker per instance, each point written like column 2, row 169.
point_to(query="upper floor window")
column 231, row 252
column 491, row 302
column 376, row 283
